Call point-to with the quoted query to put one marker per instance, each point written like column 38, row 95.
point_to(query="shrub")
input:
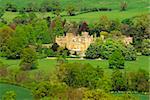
column 116, row 60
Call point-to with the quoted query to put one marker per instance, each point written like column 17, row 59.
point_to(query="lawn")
column 48, row 65
column 21, row 93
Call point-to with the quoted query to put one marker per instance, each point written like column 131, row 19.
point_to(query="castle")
column 78, row 44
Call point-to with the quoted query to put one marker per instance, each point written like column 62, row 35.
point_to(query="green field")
column 135, row 8
column 21, row 93
column 113, row 4
column 90, row 17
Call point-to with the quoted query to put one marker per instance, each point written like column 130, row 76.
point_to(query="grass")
column 135, row 7
column 113, row 4
column 48, row 65
column 90, row 17
column 21, row 93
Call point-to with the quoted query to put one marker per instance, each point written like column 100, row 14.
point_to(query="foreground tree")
column 28, row 59
column 118, row 81
column 79, row 75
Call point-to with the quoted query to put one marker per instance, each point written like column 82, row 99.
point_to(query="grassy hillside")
column 113, row 4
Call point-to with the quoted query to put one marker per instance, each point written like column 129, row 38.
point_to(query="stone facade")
column 78, row 44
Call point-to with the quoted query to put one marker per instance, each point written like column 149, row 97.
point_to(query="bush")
column 116, row 60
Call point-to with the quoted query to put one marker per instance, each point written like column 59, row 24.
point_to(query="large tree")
column 28, row 59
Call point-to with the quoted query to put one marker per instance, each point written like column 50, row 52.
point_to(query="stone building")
column 78, row 44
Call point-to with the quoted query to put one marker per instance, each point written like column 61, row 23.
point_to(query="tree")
column 16, row 43
column 92, row 52
column 11, row 7
column 58, row 29
column 41, row 32
column 48, row 89
column 141, row 27
column 56, row 7
column 104, row 24
column 1, row 12
column 28, row 59
column 146, row 47
column 116, row 60
column 9, row 95
column 83, row 27
column 130, row 53
column 123, row 5
column 138, row 81
column 70, row 10
column 46, row 5
column 118, row 81
column 5, row 34
column 79, row 75
column 3, row 69
column 109, row 46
